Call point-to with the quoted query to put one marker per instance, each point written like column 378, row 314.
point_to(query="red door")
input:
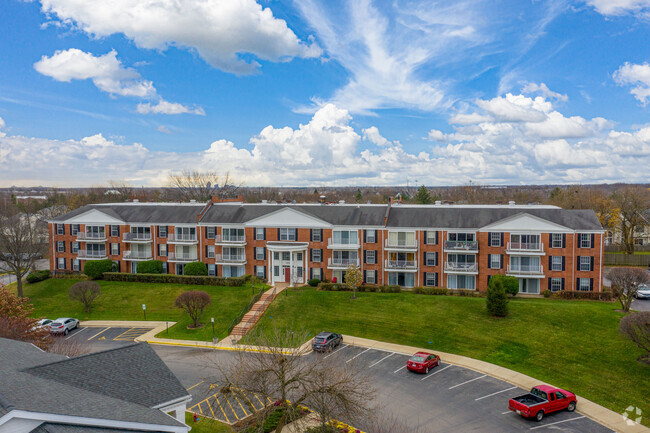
column 287, row 275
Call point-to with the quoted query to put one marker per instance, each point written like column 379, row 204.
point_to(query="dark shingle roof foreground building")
column 128, row 389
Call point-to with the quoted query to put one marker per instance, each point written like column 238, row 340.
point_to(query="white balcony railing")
column 525, row 269
column 406, row 244
column 342, row 263
column 182, row 257
column 230, row 239
column 91, row 236
column 461, row 245
column 91, row 254
column 230, row 258
column 137, row 255
column 351, row 244
column 181, row 238
column 401, row 264
column 526, row 246
column 136, row 237
column 461, row 267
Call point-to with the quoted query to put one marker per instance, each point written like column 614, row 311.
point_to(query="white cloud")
column 328, row 151
column 164, row 129
column 164, row 107
column 637, row 76
column 544, row 91
column 516, row 108
column 619, row 7
column 2, row 125
column 437, row 135
column 220, row 31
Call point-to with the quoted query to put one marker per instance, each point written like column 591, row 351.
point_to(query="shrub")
column 441, row 291
column 36, row 276
column 577, row 294
column 510, row 284
column 150, row 267
column 547, row 293
column 175, row 279
column 465, row 292
column 193, row 302
column 198, row 268
column 636, row 327
column 314, row 282
column 85, row 292
column 393, row 288
column 95, row 268
column 497, row 298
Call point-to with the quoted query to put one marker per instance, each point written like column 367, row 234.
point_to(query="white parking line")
column 399, row 369
column 372, row 365
column 495, row 393
column 558, row 422
column 508, row 411
column 81, row 330
column 327, row 356
column 99, row 333
column 435, row 372
column 358, row 354
column 471, row 380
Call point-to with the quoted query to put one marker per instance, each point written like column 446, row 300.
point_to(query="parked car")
column 643, row 292
column 542, row 400
column 43, row 323
column 63, row 325
column 422, row 362
column 326, row 341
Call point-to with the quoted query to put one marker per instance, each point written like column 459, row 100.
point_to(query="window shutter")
column 278, row 234
column 501, row 262
column 501, row 238
column 578, row 264
column 564, row 241
column 295, row 234
column 365, row 256
column 550, row 262
column 489, row 261
column 591, row 265
column 562, row 283
column 591, row 284
column 63, row 246
column 593, row 239
column 577, row 287
column 265, row 273
column 489, row 239
column 311, row 235
column 321, row 234
column 364, row 236
column 157, row 249
column 311, row 255
column 564, row 263
column 321, row 255
column 549, row 284
column 167, row 231
column 265, row 258
column 435, row 258
column 424, row 278
column 118, row 249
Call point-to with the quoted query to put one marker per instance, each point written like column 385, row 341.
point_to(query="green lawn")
column 205, row 425
column 123, row 301
column 571, row 344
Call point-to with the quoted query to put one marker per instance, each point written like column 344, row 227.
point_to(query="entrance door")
column 287, row 274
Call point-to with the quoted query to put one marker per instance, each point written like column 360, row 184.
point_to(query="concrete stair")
column 250, row 319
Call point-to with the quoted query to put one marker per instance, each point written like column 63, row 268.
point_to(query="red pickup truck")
column 541, row 400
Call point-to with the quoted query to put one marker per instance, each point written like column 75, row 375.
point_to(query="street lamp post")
column 212, row 320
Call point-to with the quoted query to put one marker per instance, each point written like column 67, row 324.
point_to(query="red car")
column 422, row 362
column 541, row 400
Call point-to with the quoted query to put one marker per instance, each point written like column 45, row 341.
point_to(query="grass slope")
column 571, row 344
column 123, row 301
column 206, row 425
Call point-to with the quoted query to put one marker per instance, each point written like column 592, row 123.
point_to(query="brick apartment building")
column 454, row 246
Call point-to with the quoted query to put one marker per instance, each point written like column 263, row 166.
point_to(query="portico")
column 287, row 262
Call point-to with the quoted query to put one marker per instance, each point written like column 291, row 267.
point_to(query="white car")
column 643, row 292
column 43, row 323
column 63, row 325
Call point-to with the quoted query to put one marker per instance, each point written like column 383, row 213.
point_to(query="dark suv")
column 326, row 341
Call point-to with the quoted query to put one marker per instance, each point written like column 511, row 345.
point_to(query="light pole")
column 144, row 311
column 212, row 320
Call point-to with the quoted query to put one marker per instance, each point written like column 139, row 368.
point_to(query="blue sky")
column 318, row 92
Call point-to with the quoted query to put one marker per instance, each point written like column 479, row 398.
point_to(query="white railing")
column 525, row 246
column 525, row 269
column 400, row 243
column 91, row 236
column 401, row 264
column 461, row 245
column 342, row 263
column 182, row 257
column 181, row 237
column 230, row 238
column 461, row 267
column 135, row 237
column 91, row 254
column 230, row 258
column 137, row 255
column 351, row 243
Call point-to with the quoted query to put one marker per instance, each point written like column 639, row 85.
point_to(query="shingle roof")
column 143, row 213
column 67, row 428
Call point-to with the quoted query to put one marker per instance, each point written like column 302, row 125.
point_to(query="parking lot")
column 229, row 407
column 102, row 338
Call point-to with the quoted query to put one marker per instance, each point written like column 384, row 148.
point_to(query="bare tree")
column 23, row 240
column 193, row 302
column 69, row 348
column 85, row 292
column 632, row 204
column 281, row 373
column 636, row 327
column 625, row 284
column 201, row 186
column 383, row 421
column 16, row 322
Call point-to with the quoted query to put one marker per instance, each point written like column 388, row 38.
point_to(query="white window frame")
column 286, row 256
column 162, row 231
column 60, row 246
column 434, row 259
column 585, row 263
column 371, row 257
column 428, row 276
column 556, row 263
column 495, row 241
column 431, row 237
column 74, row 229
column 370, row 277
column 117, row 230
column 259, row 253
column 316, row 235
column 316, row 271
column 585, row 237
column 76, row 265
column 371, row 236
column 60, row 264
column 211, row 232
column 60, row 229
column 288, row 234
column 556, row 284
column 581, row 283
column 259, row 271
column 556, row 240
column 115, row 249
column 498, row 261
column 212, row 269
column 75, row 247
column 316, row 255
column 276, row 271
column 163, row 250
column 259, row 233
column 210, row 252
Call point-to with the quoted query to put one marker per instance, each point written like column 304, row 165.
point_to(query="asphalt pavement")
column 10, row 278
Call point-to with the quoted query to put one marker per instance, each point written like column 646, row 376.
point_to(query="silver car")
column 643, row 292
column 63, row 325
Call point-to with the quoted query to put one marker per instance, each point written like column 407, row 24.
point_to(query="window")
column 371, row 236
column 316, row 273
column 287, row 234
column 345, row 237
column 316, row 255
column 286, row 256
column 585, row 240
column 162, row 250
column 60, row 263
column 584, row 284
column 259, row 253
column 259, row 233
column 162, row 231
column 115, row 231
column 557, row 240
column 260, row 271
column 212, row 270
column 461, row 282
column 344, row 258
column 495, row 239
column 74, row 229
column 495, row 261
column 115, row 249
column 276, row 271
column 401, row 239
column 556, row 284
column 209, row 249
column 317, row 235
column 371, row 257
column 74, row 247
column 432, row 238
column 370, row 277
column 556, row 263
column 75, row 265
column 462, row 237
column 60, row 229
column 211, row 232
column 60, row 247
column 431, row 279
column 299, row 271
column 431, row 259
column 585, row 263
column 299, row 257
column 165, row 268
column 185, row 234
column 525, row 242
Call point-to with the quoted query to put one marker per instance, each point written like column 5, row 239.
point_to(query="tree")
column 16, row 322
column 497, row 298
column 85, row 292
column 23, row 240
column 195, row 268
column 353, row 279
column 279, row 372
column 625, row 284
column 149, row 267
column 636, row 327
column 358, row 197
column 95, row 268
column 632, row 203
column 201, row 186
column 423, row 196
column 510, row 284
column 193, row 302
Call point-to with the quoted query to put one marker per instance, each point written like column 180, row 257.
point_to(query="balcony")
column 463, row 246
column 461, row 268
column 230, row 240
column 525, row 270
column 401, row 265
column 352, row 244
column 91, row 255
column 135, row 255
column 91, row 237
column 182, row 238
column 333, row 263
column 525, row 248
column 136, row 237
column 182, row 257
column 237, row 259
column 401, row 245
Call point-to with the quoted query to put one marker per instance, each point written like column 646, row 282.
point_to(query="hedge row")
column 176, row 279
column 338, row 287
column 149, row 267
column 574, row 294
column 36, row 276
